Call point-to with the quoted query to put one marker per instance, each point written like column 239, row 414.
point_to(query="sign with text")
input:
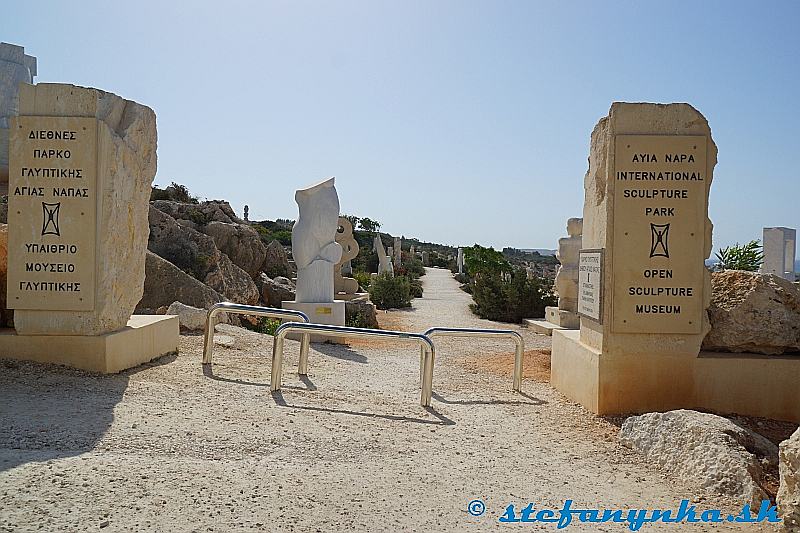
column 590, row 284
column 52, row 211
column 660, row 210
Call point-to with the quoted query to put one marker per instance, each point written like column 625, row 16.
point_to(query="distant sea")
column 541, row 251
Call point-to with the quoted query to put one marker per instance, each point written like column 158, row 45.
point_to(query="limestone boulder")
column 190, row 318
column 722, row 457
column 201, row 213
column 241, row 243
column 197, row 254
column 275, row 291
column 752, row 312
column 165, row 283
column 361, row 312
column 232, row 282
column 789, row 491
column 127, row 155
column 276, row 261
column 6, row 315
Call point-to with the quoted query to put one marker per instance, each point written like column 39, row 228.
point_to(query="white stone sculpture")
column 779, row 252
column 460, row 261
column 15, row 67
column 398, row 252
column 567, row 275
column 384, row 265
column 344, row 236
column 314, row 246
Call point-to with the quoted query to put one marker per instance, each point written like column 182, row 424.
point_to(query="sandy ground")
column 166, row 448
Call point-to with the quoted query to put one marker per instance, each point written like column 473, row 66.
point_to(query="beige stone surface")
column 126, row 167
column 725, row 458
column 53, row 212
column 5, row 313
column 752, row 312
column 332, row 313
column 167, row 448
column 166, row 283
column 144, row 338
column 598, row 215
column 241, row 243
column 190, row 318
column 789, row 491
column 746, row 384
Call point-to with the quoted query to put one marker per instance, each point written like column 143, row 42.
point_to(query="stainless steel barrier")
column 468, row 332
column 270, row 312
column 426, row 347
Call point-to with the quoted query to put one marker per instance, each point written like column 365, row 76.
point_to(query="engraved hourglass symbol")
column 50, row 219
column 659, row 240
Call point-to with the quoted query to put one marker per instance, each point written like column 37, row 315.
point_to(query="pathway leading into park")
column 166, row 448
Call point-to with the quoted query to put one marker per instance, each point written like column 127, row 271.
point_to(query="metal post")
column 469, row 332
column 426, row 363
column 241, row 309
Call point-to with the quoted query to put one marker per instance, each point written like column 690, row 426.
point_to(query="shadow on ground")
column 339, row 351
column 441, row 420
column 532, row 401
column 50, row 411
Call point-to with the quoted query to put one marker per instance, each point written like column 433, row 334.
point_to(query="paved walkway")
column 166, row 448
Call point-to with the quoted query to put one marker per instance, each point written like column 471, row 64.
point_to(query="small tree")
column 481, row 261
column 741, row 257
column 367, row 224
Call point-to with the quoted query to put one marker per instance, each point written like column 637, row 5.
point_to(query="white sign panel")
column 590, row 283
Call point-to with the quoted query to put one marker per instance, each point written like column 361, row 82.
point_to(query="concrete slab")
column 144, row 338
column 542, row 327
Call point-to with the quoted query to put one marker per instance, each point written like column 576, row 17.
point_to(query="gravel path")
column 166, row 448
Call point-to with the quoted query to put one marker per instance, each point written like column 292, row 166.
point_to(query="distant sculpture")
column 344, row 236
column 246, row 213
column 426, row 258
column 314, row 246
column 15, row 67
column 567, row 275
column 460, row 261
column 398, row 252
column 384, row 265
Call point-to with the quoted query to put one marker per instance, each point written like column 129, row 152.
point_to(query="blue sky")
column 451, row 121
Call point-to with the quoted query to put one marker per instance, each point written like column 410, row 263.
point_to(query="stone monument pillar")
column 345, row 288
column 643, row 285
column 426, row 258
column 398, row 252
column 81, row 166
column 315, row 251
column 460, row 261
column 643, row 288
column 15, row 67
column 779, row 252
column 565, row 315
column 384, row 264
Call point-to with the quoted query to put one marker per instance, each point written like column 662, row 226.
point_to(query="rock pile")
column 752, row 312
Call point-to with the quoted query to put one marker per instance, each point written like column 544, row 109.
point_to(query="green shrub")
column 197, row 216
column 357, row 321
column 415, row 286
column 263, row 325
column 415, row 268
column 497, row 298
column 363, row 279
column 741, row 257
column 174, row 192
column 388, row 292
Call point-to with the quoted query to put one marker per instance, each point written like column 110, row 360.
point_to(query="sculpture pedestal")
column 319, row 313
column 554, row 319
column 144, row 338
column 639, row 382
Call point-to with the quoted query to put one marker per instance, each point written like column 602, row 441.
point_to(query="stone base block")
column 146, row 337
column 320, row 313
column 746, row 384
column 562, row 318
column 542, row 327
column 344, row 297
